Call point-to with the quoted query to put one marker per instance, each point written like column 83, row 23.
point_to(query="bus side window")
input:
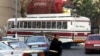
column 25, row 24
column 18, row 23
column 38, row 24
column 59, row 25
column 29, row 24
column 33, row 24
column 44, row 24
column 64, row 25
column 48, row 24
column 21, row 24
column 54, row 24
column 12, row 24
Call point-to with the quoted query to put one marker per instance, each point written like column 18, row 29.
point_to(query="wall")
column 7, row 10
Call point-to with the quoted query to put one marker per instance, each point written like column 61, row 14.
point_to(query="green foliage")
column 97, row 7
column 87, row 8
column 90, row 9
column 23, row 11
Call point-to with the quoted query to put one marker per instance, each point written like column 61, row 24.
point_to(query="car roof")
column 39, row 36
column 94, row 35
column 6, row 42
column 10, row 41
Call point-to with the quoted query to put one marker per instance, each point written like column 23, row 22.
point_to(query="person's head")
column 56, row 36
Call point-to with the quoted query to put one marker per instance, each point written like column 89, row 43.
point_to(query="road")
column 78, row 51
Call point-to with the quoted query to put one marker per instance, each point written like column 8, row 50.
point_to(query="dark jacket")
column 55, row 45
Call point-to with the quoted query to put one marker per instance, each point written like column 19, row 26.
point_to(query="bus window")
column 59, row 25
column 64, row 25
column 18, row 23
column 12, row 24
column 53, row 24
column 21, row 24
column 49, row 24
column 25, row 24
column 33, row 24
column 29, row 24
column 43, row 24
column 38, row 24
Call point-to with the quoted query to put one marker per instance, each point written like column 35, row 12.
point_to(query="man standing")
column 55, row 47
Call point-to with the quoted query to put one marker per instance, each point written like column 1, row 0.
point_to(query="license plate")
column 35, row 46
column 34, row 54
column 96, row 44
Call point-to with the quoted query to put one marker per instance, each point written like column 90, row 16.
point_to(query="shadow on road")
column 75, row 48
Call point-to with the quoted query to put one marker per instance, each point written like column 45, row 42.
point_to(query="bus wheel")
column 66, row 45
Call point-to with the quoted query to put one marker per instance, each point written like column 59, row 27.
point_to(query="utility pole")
column 16, row 15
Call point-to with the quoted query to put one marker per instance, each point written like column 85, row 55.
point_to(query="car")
column 6, row 50
column 19, row 45
column 38, row 43
column 92, row 43
column 6, row 38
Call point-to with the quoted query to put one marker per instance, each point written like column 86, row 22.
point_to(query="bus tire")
column 66, row 45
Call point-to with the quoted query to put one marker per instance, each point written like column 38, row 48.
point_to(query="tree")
column 85, row 8
column 97, row 7
column 88, row 8
column 24, row 4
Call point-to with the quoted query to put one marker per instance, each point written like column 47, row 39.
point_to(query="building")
column 7, row 10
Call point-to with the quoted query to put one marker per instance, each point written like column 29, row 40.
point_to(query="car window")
column 35, row 39
column 17, row 45
column 94, row 38
column 4, row 47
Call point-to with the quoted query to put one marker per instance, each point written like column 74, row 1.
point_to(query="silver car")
column 38, row 43
column 6, row 50
column 19, row 45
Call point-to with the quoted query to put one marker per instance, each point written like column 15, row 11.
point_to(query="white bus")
column 70, row 29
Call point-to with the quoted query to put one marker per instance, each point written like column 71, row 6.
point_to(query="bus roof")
column 50, row 17
column 46, row 15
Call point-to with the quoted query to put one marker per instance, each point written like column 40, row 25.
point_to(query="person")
column 55, row 47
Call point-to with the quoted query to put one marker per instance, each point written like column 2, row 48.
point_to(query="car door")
column 11, row 53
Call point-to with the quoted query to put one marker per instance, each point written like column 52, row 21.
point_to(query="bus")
column 71, row 29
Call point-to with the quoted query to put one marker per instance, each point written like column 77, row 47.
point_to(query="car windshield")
column 18, row 45
column 4, row 47
column 94, row 38
column 35, row 39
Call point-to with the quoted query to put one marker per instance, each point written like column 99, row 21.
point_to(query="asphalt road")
column 78, row 51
